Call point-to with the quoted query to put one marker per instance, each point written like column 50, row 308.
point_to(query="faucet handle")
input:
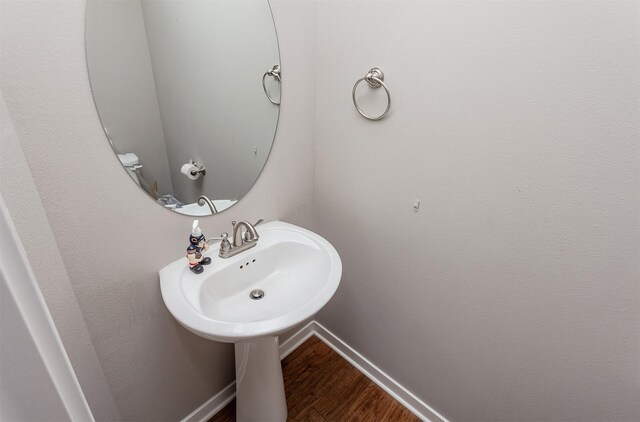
column 248, row 235
column 225, row 245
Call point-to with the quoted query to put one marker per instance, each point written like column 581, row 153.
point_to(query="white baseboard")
column 296, row 340
column 416, row 406
column 213, row 405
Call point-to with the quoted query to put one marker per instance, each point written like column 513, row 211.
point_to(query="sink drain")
column 256, row 294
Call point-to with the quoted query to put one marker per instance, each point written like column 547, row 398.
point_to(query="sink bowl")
column 297, row 270
column 249, row 299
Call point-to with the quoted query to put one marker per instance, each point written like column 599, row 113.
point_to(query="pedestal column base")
column 259, row 384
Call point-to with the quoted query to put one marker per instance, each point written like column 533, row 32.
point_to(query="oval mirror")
column 188, row 93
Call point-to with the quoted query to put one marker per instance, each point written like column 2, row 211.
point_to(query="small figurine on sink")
column 196, row 249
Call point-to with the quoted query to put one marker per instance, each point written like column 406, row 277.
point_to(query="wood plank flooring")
column 323, row 387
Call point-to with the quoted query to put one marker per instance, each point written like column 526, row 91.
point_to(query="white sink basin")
column 297, row 270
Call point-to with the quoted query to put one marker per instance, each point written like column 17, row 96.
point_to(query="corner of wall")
column 24, row 203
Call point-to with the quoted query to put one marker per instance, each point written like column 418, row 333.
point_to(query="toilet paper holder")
column 198, row 169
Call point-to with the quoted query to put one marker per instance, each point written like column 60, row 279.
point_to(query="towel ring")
column 275, row 72
column 375, row 79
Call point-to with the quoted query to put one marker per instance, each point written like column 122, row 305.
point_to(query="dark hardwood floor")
column 323, row 387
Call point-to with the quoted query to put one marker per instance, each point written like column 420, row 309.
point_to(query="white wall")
column 513, row 293
column 124, row 87
column 111, row 239
column 210, row 90
column 22, row 199
column 23, row 374
column 33, row 362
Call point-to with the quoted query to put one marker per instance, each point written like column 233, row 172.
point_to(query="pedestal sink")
column 249, row 299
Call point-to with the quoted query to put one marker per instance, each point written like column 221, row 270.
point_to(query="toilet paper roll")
column 187, row 168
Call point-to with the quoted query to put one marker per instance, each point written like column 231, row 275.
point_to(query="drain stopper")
column 256, row 294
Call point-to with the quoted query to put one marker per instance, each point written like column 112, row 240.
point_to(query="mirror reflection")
column 188, row 93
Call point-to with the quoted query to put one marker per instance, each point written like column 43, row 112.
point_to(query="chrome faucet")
column 241, row 240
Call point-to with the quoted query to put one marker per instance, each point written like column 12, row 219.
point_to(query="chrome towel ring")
column 275, row 73
column 375, row 79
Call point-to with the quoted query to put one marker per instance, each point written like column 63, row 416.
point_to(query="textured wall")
column 513, row 294
column 112, row 239
column 23, row 201
column 23, row 373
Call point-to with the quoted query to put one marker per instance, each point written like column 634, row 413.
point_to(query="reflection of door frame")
column 21, row 283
